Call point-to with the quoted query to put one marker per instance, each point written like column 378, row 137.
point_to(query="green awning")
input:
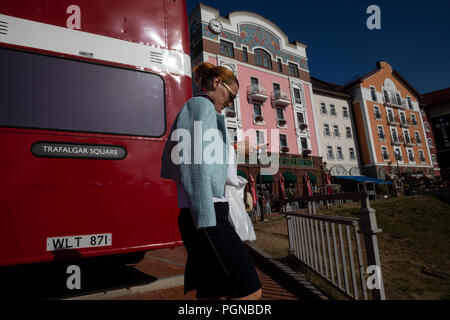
column 312, row 177
column 289, row 177
column 242, row 174
column 264, row 178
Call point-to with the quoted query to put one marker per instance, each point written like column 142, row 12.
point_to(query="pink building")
column 275, row 88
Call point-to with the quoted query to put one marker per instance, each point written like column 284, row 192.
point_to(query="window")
column 300, row 118
column 410, row 155
column 283, row 140
column 255, row 85
column 422, row 112
column 340, row 155
column 280, row 65
column 427, row 126
column 297, row 96
column 276, row 91
column 330, row 152
column 433, row 158
column 421, row 156
column 232, row 134
column 402, row 117
column 293, row 70
column 137, row 109
column 373, row 94
column 414, row 120
column 406, row 136
column 417, row 136
column 381, row 133
column 245, row 54
column 394, row 135
column 323, row 108
column 377, row 112
column 345, row 113
column 352, row 153
column 398, row 154
column 385, row 153
column 256, row 110
column 348, row 132
column 333, row 110
column 390, row 115
column 226, row 49
column 410, row 106
column 304, row 143
column 336, row 131
column 430, row 143
column 386, row 96
column 260, row 137
column 399, row 100
column 326, row 130
column 280, row 114
column 263, row 58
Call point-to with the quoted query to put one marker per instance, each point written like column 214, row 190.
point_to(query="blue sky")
column 414, row 36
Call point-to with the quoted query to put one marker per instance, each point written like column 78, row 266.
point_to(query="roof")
column 395, row 73
column 436, row 97
column 320, row 86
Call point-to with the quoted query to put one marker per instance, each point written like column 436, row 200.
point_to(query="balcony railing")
column 393, row 120
column 396, row 140
column 409, row 141
column 280, row 99
column 257, row 93
column 405, row 123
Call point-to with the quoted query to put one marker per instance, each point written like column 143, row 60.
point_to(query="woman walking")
column 218, row 263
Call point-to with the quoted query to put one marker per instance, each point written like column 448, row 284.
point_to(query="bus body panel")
column 43, row 197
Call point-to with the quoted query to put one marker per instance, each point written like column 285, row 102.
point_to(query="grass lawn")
column 414, row 246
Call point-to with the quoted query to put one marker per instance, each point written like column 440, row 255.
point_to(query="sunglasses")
column 232, row 95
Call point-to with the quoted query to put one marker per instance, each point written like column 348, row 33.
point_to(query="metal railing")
column 332, row 246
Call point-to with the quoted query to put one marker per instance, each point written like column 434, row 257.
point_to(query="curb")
column 292, row 280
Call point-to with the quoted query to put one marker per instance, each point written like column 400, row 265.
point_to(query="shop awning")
column 242, row 174
column 362, row 179
column 264, row 178
column 312, row 177
column 289, row 177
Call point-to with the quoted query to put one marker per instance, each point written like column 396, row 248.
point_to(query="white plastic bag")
column 239, row 217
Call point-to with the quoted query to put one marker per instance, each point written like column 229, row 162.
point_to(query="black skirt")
column 218, row 263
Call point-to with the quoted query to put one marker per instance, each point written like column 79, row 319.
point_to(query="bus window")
column 44, row 92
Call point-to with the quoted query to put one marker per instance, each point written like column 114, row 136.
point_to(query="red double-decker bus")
column 88, row 92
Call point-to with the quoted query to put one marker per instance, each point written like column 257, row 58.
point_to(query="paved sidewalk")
column 168, row 266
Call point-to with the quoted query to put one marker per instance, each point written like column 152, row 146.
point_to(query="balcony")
column 404, row 123
column 409, row 142
column 280, row 99
column 393, row 101
column 257, row 93
column 396, row 140
column 306, row 152
column 392, row 121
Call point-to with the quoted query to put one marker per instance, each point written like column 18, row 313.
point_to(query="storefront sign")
column 296, row 162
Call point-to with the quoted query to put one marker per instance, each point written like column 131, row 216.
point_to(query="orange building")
column 389, row 124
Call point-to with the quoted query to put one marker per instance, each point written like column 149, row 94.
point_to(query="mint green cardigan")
column 201, row 182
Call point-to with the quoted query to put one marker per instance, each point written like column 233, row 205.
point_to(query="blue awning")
column 362, row 179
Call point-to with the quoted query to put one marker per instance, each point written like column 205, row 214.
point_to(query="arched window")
column 263, row 59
